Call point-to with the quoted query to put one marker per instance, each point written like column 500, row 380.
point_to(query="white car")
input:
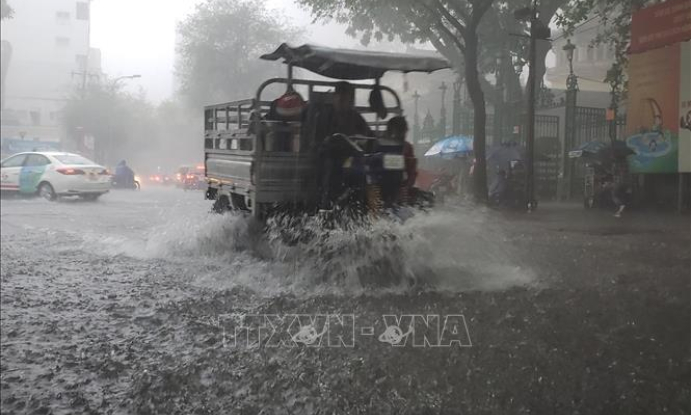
column 53, row 174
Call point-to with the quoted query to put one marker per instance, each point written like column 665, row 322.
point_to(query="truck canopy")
column 353, row 64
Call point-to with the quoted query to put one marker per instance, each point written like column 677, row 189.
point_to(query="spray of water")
column 453, row 250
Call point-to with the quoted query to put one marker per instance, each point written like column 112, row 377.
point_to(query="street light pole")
column 516, row 100
column 416, row 121
column 115, row 81
column 569, row 121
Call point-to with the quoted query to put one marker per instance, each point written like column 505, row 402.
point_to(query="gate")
column 547, row 145
column 591, row 125
column 547, row 156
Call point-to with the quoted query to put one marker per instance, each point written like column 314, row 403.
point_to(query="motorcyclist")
column 124, row 176
column 499, row 187
column 341, row 120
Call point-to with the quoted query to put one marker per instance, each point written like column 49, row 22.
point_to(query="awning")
column 353, row 64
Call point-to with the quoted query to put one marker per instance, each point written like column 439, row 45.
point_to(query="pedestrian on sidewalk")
column 619, row 192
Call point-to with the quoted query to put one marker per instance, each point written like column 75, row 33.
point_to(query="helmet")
column 289, row 105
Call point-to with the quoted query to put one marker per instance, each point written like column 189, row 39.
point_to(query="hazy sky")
column 138, row 37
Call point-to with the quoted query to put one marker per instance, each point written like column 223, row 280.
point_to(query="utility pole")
column 538, row 31
column 569, row 122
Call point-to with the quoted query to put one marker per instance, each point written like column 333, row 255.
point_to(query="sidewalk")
column 560, row 216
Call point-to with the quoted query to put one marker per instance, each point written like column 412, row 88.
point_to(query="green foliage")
column 6, row 11
column 219, row 47
column 615, row 31
column 120, row 123
column 452, row 26
column 127, row 126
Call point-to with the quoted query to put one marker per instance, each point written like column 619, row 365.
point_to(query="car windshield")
column 74, row 159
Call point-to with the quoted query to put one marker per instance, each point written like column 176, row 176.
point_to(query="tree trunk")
column 477, row 97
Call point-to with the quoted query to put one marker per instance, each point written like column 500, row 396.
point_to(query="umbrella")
column 503, row 154
column 598, row 149
column 454, row 145
column 587, row 148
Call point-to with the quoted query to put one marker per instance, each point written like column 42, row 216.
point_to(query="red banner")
column 660, row 25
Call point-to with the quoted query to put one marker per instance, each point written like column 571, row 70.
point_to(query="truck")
column 262, row 164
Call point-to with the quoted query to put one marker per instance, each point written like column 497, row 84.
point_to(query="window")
column 62, row 41
column 81, row 62
column 82, row 10
column 15, row 161
column 35, row 117
column 36, row 160
column 74, row 159
column 62, row 18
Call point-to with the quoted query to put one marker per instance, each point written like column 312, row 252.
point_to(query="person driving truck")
column 346, row 120
column 342, row 119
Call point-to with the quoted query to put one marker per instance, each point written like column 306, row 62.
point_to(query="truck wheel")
column 221, row 204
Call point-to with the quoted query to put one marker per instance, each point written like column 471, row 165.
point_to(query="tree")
column 452, row 26
column 615, row 30
column 122, row 125
column 219, row 48
column 6, row 11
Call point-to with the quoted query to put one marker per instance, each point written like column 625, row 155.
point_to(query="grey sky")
column 138, row 37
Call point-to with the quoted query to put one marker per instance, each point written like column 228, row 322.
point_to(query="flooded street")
column 119, row 306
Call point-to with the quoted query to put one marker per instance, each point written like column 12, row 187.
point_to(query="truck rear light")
column 70, row 171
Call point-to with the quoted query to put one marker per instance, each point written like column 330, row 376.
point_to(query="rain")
column 362, row 207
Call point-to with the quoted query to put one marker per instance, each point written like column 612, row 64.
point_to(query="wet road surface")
column 130, row 305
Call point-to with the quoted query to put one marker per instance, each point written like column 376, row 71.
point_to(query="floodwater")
column 105, row 304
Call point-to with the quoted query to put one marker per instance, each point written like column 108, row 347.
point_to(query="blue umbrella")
column 456, row 145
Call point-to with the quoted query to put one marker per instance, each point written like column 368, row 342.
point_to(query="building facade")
column 46, row 57
column 590, row 62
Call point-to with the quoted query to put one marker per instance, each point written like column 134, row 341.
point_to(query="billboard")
column 685, row 109
column 660, row 25
column 659, row 100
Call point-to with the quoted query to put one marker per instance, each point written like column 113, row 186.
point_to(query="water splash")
column 453, row 250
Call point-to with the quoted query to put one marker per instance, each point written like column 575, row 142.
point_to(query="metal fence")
column 591, row 125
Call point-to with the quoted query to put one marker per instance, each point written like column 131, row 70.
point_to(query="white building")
column 45, row 54
column 590, row 62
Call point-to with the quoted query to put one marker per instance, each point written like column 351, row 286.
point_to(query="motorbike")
column 124, row 184
column 508, row 190
column 442, row 186
column 193, row 182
